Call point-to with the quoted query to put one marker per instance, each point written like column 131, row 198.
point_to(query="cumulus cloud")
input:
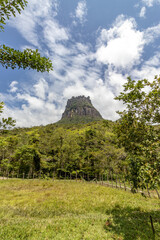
column 122, row 45
column 78, row 69
column 36, row 107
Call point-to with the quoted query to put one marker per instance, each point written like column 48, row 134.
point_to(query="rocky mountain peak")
column 80, row 109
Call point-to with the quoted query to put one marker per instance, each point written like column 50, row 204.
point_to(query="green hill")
column 90, row 148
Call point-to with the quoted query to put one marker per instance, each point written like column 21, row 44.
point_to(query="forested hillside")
column 60, row 148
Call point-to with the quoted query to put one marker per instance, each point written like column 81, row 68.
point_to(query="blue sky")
column 94, row 46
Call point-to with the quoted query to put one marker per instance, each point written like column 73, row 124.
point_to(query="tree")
column 138, row 130
column 11, row 58
column 27, row 159
column 5, row 122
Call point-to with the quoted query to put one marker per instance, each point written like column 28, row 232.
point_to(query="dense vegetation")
column 65, row 210
column 83, row 148
column 138, row 131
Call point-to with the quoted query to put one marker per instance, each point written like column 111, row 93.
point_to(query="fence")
column 107, row 180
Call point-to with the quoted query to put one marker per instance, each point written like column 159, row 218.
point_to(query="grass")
column 44, row 210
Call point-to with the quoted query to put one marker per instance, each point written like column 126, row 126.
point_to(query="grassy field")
column 43, row 209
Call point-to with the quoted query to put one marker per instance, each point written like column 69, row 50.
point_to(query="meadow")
column 70, row 210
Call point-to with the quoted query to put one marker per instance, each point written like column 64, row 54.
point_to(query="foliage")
column 9, row 8
column 27, row 159
column 11, row 58
column 31, row 59
column 5, row 122
column 83, row 148
column 136, row 130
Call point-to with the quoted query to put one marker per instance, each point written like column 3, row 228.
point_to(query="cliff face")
column 80, row 109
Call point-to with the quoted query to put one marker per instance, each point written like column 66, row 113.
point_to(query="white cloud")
column 13, row 87
column 150, row 3
column 53, row 32
column 142, row 12
column 149, row 69
column 78, row 70
column 37, row 107
column 33, row 102
column 81, row 11
column 151, row 33
column 32, row 18
column 122, row 45
column 41, row 88
column 147, row 4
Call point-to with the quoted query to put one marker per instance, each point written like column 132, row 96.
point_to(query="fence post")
column 158, row 193
column 148, row 191
column 76, row 176
column 112, row 180
column 107, row 180
column 130, row 186
column 96, row 177
column 116, row 182
column 70, row 176
column 102, row 179
column 125, row 185
column 83, row 176
column 23, row 175
column 119, row 182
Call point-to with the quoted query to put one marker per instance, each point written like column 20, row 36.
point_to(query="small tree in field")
column 138, row 131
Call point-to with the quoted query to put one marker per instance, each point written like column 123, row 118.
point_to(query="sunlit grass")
column 43, row 209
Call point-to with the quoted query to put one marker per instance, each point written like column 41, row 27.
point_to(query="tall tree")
column 137, row 130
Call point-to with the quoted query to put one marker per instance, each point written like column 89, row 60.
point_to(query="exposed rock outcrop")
column 80, row 109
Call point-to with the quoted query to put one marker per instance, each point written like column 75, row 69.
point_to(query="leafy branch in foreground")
column 11, row 58
column 8, row 8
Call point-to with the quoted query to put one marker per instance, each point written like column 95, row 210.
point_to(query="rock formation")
column 80, row 109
